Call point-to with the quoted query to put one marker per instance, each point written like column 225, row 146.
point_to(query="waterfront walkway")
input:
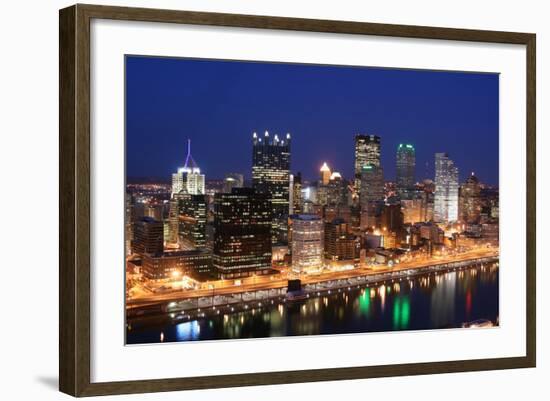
column 273, row 288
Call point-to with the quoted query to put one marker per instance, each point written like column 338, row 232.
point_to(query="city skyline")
column 311, row 147
column 339, row 246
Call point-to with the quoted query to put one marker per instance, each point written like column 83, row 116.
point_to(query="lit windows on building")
column 192, row 220
column 470, row 200
column 148, row 236
column 242, row 233
column 367, row 151
column 271, row 176
column 446, row 189
column 307, row 242
column 405, row 170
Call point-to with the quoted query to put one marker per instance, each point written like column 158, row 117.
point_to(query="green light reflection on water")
column 405, row 312
column 364, row 304
column 401, row 313
column 396, row 312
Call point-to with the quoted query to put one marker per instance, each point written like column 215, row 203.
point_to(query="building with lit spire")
column 325, row 173
column 188, row 178
column 187, row 215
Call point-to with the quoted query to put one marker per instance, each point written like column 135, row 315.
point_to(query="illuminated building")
column 371, row 196
column 343, row 212
column 188, row 178
column 154, row 210
column 322, row 192
column 372, row 184
column 391, row 240
column 308, row 207
column 336, row 190
column 233, row 180
column 148, row 236
column 427, row 206
column 175, row 265
column 128, row 223
column 470, row 201
column 177, row 183
column 490, row 233
column 446, row 189
column 279, row 253
column 309, row 193
column 391, row 218
column 192, row 220
column 413, row 210
column 242, row 233
column 270, row 176
column 173, row 223
column 431, row 232
column 296, row 190
column 341, row 245
column 307, row 242
column 367, row 152
column 405, row 170
column 325, row 174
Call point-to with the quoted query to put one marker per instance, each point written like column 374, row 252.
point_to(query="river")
column 431, row 301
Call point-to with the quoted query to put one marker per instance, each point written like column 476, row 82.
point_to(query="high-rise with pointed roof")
column 188, row 178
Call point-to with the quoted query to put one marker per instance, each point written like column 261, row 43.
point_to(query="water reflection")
column 443, row 299
column 188, row 331
column 427, row 302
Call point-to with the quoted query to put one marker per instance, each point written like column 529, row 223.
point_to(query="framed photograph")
column 249, row 200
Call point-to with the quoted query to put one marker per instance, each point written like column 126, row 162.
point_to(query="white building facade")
column 307, row 242
column 446, row 189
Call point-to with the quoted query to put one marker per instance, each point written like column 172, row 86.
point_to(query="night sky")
column 219, row 104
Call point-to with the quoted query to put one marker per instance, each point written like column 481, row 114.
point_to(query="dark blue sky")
column 218, row 104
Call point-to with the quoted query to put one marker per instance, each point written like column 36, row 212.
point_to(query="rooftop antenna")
column 189, row 158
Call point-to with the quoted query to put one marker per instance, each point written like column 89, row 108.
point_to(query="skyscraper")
column 446, row 189
column 307, row 242
column 325, row 174
column 192, row 220
column 336, row 190
column 148, row 236
column 405, row 170
column 172, row 241
column 372, row 184
column 341, row 245
column 128, row 222
column 367, row 151
column 296, row 206
column 371, row 196
column 242, row 233
column 470, row 200
column 270, row 176
column 188, row 178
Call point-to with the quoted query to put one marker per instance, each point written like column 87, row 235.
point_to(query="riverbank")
column 201, row 307
column 432, row 300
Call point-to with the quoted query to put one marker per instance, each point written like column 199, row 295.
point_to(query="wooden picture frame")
column 74, row 203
